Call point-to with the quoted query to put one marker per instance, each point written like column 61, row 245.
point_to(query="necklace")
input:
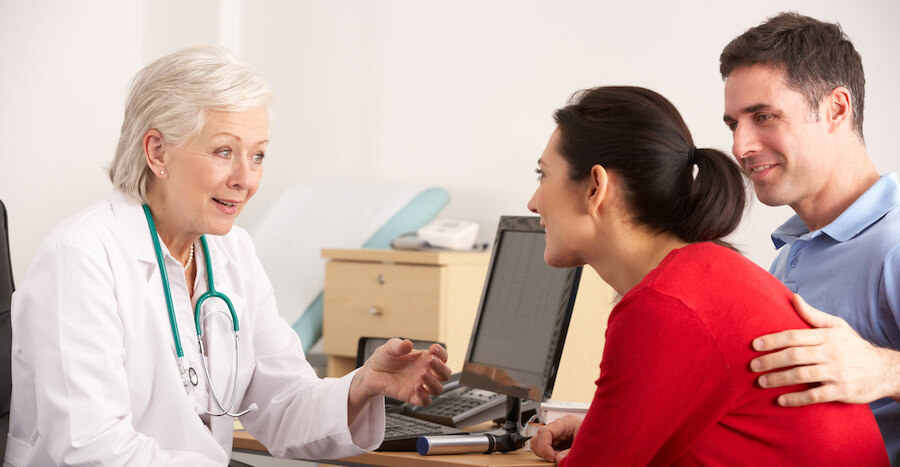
column 187, row 265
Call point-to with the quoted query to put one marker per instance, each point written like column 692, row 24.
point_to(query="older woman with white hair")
column 146, row 322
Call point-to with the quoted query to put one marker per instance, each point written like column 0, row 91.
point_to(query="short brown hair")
column 814, row 56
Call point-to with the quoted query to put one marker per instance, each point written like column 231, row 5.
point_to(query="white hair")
column 172, row 95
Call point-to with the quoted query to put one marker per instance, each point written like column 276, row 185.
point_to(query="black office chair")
column 6, row 289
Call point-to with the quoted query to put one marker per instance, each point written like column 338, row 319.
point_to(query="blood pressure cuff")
column 6, row 290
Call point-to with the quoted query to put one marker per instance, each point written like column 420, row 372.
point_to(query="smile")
column 760, row 168
column 225, row 203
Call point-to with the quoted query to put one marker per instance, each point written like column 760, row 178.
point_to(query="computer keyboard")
column 401, row 432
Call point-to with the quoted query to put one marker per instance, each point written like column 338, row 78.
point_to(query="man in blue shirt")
column 794, row 91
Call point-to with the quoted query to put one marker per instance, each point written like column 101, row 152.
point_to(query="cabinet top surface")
column 407, row 256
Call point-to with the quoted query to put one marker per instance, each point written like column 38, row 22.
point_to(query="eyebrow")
column 225, row 133
column 746, row 110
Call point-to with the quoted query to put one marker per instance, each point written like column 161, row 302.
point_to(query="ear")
column 155, row 152
column 838, row 108
column 597, row 186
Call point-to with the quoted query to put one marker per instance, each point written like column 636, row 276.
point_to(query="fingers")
column 814, row 317
column 439, row 368
column 424, row 396
column 789, row 357
column 790, row 338
column 542, row 445
column 439, row 351
column 555, row 438
column 823, row 393
column 431, row 383
column 798, row 375
column 398, row 347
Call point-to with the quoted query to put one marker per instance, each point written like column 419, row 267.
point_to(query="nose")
column 744, row 142
column 532, row 206
column 241, row 174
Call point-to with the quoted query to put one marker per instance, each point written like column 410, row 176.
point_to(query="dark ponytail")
column 640, row 136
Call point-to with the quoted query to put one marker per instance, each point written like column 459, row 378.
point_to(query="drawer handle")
column 375, row 311
column 381, row 279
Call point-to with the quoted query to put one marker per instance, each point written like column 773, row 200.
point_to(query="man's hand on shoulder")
column 849, row 368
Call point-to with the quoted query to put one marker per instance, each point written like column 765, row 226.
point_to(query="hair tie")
column 691, row 158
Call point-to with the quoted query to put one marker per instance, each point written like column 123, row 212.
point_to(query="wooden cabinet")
column 415, row 294
column 435, row 296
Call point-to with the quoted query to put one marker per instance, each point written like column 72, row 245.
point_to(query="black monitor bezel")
column 477, row 379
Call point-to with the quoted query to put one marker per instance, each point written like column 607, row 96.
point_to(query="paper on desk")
column 551, row 410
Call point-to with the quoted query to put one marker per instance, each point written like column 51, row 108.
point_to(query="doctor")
column 114, row 362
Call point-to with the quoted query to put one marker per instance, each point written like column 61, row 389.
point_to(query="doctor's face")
column 562, row 204
column 212, row 176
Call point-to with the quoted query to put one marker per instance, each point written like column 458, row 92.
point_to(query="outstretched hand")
column 848, row 368
column 552, row 441
column 397, row 370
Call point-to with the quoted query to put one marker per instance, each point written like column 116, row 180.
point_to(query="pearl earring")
column 162, row 172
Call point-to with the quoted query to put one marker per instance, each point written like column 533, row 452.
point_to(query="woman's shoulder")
column 85, row 227
column 710, row 262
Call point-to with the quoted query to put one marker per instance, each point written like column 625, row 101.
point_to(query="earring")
column 162, row 172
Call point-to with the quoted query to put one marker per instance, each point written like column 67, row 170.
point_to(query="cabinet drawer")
column 377, row 299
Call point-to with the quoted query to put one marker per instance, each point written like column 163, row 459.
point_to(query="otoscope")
column 486, row 443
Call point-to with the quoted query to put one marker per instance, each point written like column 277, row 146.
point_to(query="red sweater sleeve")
column 662, row 382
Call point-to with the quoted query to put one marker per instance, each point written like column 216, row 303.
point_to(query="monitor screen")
column 523, row 317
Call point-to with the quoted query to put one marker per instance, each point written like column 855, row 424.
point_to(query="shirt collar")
column 134, row 223
column 877, row 201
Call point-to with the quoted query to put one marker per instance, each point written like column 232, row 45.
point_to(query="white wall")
column 454, row 94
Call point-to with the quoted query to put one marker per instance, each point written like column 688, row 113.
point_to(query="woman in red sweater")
column 624, row 190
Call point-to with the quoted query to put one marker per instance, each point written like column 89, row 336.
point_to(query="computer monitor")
column 523, row 317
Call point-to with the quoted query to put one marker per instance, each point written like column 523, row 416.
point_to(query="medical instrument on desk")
column 511, row 438
column 189, row 375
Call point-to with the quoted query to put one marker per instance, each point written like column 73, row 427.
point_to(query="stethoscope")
column 188, row 374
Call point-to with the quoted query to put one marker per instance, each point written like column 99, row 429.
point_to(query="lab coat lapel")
column 134, row 226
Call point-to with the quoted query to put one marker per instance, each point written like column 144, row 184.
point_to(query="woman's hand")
column 396, row 370
column 552, row 441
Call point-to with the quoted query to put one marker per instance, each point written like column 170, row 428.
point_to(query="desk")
column 521, row 458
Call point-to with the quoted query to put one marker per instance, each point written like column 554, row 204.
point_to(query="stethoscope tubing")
column 211, row 292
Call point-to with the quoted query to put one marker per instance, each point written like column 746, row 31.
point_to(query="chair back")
column 6, row 289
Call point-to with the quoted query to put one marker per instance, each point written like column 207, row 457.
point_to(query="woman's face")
column 563, row 206
column 212, row 176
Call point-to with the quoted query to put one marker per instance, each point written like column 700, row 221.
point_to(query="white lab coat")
column 95, row 379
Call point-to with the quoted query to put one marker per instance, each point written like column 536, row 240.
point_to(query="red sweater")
column 675, row 385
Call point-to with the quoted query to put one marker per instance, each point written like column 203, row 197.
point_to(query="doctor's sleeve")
column 69, row 335
column 300, row 415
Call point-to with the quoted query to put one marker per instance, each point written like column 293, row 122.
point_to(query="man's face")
column 778, row 141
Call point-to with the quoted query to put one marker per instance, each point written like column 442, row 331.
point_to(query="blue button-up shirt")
column 851, row 268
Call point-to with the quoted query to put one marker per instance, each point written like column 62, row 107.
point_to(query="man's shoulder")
column 885, row 230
